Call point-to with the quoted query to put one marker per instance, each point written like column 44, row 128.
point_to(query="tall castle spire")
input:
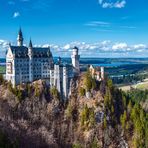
column 30, row 51
column 20, row 38
column 30, row 43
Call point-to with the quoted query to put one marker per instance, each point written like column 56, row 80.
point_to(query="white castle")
column 27, row 64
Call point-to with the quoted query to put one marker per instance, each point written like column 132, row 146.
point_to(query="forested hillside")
column 96, row 115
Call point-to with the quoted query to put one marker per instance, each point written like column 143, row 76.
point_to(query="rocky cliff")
column 41, row 119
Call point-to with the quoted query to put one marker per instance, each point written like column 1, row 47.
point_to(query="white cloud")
column 99, row 49
column 117, row 4
column 3, row 44
column 120, row 4
column 107, row 5
column 16, row 14
column 3, row 47
column 106, row 42
column 100, row 1
column 120, row 46
column 67, row 46
column 98, row 24
column 45, row 45
column 140, row 46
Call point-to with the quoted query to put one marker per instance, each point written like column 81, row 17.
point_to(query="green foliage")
column 89, row 82
column 84, row 115
column 128, row 79
column 69, row 111
column 9, row 85
column 1, row 79
column 124, row 101
column 92, row 120
column 19, row 95
column 103, row 87
column 125, row 108
column 94, row 85
column 2, row 69
column 16, row 91
column 105, row 122
column 37, row 90
column 82, row 91
column 123, row 119
column 95, row 144
column 76, row 145
column 146, row 134
column 129, row 107
column 139, row 122
column 134, row 118
column 110, row 83
column 87, row 117
column 138, row 95
column 108, row 98
column 54, row 92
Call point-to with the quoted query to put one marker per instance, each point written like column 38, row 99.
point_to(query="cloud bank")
column 99, row 49
column 108, row 4
column 3, row 47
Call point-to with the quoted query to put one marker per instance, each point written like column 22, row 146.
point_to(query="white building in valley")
column 27, row 64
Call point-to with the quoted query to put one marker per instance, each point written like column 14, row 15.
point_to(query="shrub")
column 37, row 91
column 1, row 79
column 89, row 82
column 19, row 95
column 54, row 92
column 76, row 145
column 87, row 117
column 82, row 91
column 69, row 111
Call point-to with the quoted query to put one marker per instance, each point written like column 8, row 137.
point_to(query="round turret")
column 75, row 59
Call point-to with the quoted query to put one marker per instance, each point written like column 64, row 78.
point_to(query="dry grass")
column 141, row 85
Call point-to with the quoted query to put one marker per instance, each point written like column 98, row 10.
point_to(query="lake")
column 105, row 62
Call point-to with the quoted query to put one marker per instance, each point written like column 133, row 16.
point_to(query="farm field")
column 142, row 85
column 2, row 69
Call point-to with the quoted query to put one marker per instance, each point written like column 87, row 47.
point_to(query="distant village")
column 25, row 64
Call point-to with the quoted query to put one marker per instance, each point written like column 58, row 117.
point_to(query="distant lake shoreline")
column 105, row 62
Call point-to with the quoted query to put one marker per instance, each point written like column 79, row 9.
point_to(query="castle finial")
column 20, row 38
column 20, row 32
column 30, row 43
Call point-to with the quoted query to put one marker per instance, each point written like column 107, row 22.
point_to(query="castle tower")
column 58, row 75
column 102, row 73
column 75, row 59
column 20, row 38
column 65, row 82
column 30, row 54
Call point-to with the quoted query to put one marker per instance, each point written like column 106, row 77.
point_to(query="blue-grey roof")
column 22, row 51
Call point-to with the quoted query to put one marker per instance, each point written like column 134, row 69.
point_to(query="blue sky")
column 107, row 27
